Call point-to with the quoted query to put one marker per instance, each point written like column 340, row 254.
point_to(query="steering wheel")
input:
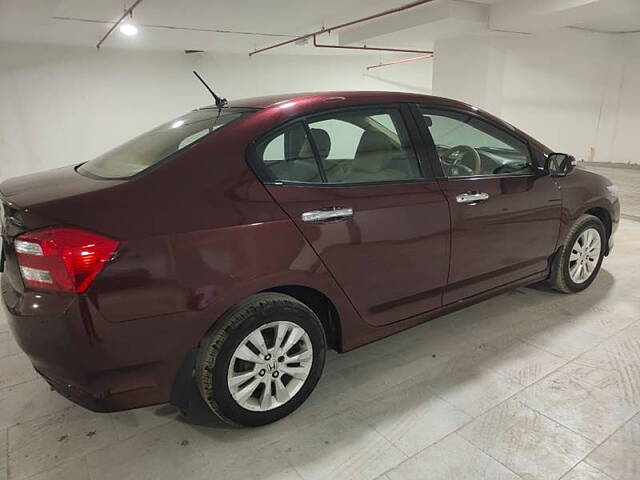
column 455, row 165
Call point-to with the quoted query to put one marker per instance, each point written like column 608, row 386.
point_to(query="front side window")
column 155, row 145
column 363, row 146
column 469, row 146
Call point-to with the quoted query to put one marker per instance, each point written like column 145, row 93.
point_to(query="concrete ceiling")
column 451, row 18
column 616, row 16
column 237, row 26
column 244, row 25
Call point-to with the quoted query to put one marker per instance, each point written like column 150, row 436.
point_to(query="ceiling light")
column 128, row 29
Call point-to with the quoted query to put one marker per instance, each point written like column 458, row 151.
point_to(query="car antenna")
column 220, row 102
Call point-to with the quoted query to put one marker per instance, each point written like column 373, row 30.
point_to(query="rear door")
column 505, row 215
column 353, row 183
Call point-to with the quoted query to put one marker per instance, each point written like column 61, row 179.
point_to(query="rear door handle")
column 469, row 197
column 334, row 213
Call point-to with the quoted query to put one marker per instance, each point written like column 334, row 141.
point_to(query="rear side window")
column 365, row 146
column 360, row 146
column 288, row 156
column 155, row 145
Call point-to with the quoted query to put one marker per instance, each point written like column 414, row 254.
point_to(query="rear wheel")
column 581, row 257
column 262, row 360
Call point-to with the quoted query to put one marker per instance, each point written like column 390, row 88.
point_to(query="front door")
column 352, row 183
column 505, row 216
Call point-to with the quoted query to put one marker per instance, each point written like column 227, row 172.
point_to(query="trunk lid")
column 29, row 191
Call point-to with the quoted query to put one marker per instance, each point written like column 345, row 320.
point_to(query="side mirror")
column 559, row 164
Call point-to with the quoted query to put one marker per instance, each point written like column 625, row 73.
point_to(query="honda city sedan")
column 223, row 253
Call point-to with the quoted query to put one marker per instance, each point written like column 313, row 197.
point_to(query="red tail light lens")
column 66, row 259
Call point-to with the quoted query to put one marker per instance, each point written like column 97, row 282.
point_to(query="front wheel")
column 581, row 257
column 262, row 360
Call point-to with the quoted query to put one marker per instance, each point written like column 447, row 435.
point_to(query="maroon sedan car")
column 228, row 249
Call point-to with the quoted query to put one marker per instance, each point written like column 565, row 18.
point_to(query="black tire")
column 220, row 343
column 560, row 278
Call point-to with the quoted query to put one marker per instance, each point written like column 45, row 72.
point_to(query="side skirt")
column 377, row 333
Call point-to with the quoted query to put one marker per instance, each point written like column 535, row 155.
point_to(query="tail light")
column 62, row 258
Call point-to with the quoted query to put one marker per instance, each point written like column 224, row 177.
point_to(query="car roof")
column 319, row 98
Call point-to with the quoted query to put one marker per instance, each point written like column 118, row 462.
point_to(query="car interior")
column 464, row 160
column 377, row 153
column 357, row 147
column 468, row 146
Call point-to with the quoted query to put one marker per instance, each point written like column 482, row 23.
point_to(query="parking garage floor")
column 532, row 384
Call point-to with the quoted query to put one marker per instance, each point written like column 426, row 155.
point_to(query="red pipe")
column 405, row 60
column 342, row 25
column 377, row 49
column 115, row 25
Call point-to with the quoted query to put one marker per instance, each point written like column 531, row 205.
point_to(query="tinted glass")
column 288, row 156
column 468, row 146
column 155, row 145
column 364, row 146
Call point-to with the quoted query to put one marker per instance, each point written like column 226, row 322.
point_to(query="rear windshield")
column 155, row 145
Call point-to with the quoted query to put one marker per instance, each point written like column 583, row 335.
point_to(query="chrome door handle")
column 329, row 214
column 472, row 197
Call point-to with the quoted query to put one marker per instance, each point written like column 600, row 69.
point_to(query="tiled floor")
column 529, row 385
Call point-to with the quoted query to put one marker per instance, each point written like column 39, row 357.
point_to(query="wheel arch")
column 321, row 305
column 320, row 302
column 603, row 215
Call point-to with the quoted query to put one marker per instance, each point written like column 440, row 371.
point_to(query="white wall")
column 575, row 91
column 625, row 138
column 61, row 105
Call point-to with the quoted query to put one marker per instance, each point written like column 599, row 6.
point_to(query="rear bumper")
column 103, row 366
column 97, row 401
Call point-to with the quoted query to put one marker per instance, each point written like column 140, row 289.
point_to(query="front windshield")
column 155, row 145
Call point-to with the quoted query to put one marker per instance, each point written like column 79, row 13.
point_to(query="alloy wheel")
column 270, row 366
column 585, row 255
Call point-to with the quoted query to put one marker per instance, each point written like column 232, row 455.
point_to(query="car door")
column 353, row 184
column 505, row 214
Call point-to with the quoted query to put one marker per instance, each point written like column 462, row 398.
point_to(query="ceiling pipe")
column 342, row 25
column 405, row 60
column 128, row 11
column 375, row 49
